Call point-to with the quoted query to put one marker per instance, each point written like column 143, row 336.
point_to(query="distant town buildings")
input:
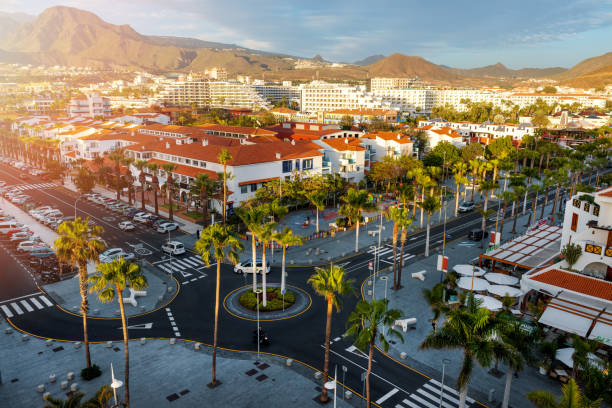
column 89, row 106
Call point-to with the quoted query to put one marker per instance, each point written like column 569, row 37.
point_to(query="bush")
column 342, row 222
column 90, row 373
column 275, row 300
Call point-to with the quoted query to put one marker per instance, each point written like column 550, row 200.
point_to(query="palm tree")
column 430, row 205
column 475, row 166
column 128, row 162
column 400, row 218
column 73, row 401
column 224, row 157
column 218, row 239
column 485, row 187
column 286, row 238
column 317, row 198
column 459, row 169
column 204, row 187
column 518, row 192
column 571, row 398
column 364, row 326
column 80, row 244
column 435, row 299
column 355, row 201
column 117, row 156
column 331, row 283
column 169, row 168
column 154, row 168
column 521, row 350
column 252, row 217
column 405, row 225
column 571, row 252
column 470, row 329
column 535, row 190
column 265, row 235
column 507, row 196
column 141, row 165
column 109, row 282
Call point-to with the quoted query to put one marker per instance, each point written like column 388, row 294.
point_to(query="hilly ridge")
column 501, row 71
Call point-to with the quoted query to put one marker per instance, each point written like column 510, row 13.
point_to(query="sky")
column 463, row 34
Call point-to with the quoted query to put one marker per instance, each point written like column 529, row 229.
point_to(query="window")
column 287, row 166
column 253, row 187
column 574, row 222
column 297, row 164
column 243, row 189
column 307, row 164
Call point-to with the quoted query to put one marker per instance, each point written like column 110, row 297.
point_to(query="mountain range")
column 68, row 36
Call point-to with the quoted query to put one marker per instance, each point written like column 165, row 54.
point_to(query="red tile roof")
column 242, row 130
column 577, row 283
column 341, row 145
column 606, row 193
column 245, row 183
column 188, row 171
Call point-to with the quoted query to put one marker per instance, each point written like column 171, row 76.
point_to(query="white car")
column 173, row 248
column 111, row 254
column 141, row 217
column 126, row 226
column 29, row 245
column 166, row 227
column 246, row 267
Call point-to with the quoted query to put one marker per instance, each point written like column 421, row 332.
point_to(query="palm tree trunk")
column 317, row 210
column 514, row 224
column 457, row 201
column 545, row 202
column 357, row 237
column 142, row 194
column 213, row 383
column 118, row 174
column 369, row 371
column 253, row 264
column 330, row 307
column 554, row 208
column 533, row 210
column 501, row 227
column 84, row 309
column 473, row 185
column 125, row 345
column 170, row 209
column 283, row 270
column 155, row 198
column 401, row 260
column 463, row 396
column 225, row 200
column 525, row 203
column 204, row 204
column 506, row 399
column 395, row 231
column 427, row 237
column 263, row 273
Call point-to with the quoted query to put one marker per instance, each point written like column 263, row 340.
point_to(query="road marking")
column 446, row 387
column 44, row 299
column 357, row 352
column 7, row 311
column 20, row 297
column 16, row 308
column 194, row 279
column 437, row 390
column 139, row 326
column 26, row 305
column 387, row 396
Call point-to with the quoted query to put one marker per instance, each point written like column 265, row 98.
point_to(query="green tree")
column 219, row 240
column 521, row 346
column 265, row 235
column 571, row 398
column 141, row 165
column 224, row 157
column 401, row 219
column 169, row 168
column 84, row 181
column 204, row 187
column 154, row 169
column 346, row 122
column 430, row 205
column 355, row 201
column 286, row 238
column 117, row 156
column 317, row 198
column 571, row 252
column 330, row 283
column 365, row 324
column 253, row 217
column 540, row 120
column 549, row 89
column 80, row 244
column 486, row 187
column 110, row 280
column 435, row 299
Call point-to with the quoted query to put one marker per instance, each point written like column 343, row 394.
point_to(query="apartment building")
column 481, row 132
column 381, row 144
column 380, row 83
column 321, row 96
column 89, row 106
column 312, row 131
column 359, row 115
column 346, row 157
column 276, row 92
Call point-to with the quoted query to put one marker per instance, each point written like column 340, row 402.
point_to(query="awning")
column 602, row 332
column 565, row 320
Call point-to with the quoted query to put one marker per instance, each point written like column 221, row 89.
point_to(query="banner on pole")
column 443, row 263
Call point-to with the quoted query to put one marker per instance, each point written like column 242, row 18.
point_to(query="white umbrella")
column 489, row 302
column 468, row 270
column 501, row 279
column 566, row 356
column 503, row 290
column 465, row 282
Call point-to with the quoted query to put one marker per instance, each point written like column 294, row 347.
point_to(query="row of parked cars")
column 24, row 167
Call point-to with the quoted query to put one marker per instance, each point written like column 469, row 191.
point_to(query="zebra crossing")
column 16, row 307
column 428, row 396
column 39, row 186
column 386, row 250
column 183, row 266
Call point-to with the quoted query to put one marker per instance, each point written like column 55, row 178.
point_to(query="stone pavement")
column 411, row 302
column 160, row 291
column 161, row 375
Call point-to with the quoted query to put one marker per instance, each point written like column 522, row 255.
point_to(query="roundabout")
column 232, row 304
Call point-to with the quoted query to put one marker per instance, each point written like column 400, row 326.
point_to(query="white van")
column 9, row 225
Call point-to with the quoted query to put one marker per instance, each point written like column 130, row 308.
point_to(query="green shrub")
column 275, row 300
column 341, row 222
column 90, row 373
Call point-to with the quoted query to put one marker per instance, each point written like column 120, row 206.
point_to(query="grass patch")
column 196, row 215
column 174, row 206
column 275, row 299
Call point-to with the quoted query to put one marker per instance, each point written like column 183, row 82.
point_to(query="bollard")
column 310, row 262
column 369, row 292
column 74, row 387
column 291, row 261
column 170, row 289
column 64, row 385
column 96, row 312
column 46, row 395
column 8, row 330
column 52, row 378
column 70, row 376
column 109, row 344
column 369, row 282
column 403, row 355
column 25, row 337
column 41, row 388
column 48, row 342
column 142, row 308
column 317, row 375
column 289, row 362
column 75, row 308
column 348, row 395
column 328, row 258
column 196, row 346
column 77, row 344
column 160, row 298
column 143, row 340
column 343, row 254
column 117, row 312
column 492, row 395
column 172, row 341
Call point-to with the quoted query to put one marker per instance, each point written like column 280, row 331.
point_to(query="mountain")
column 585, row 67
column 400, row 65
column 499, row 70
column 10, row 22
column 369, row 60
column 595, row 79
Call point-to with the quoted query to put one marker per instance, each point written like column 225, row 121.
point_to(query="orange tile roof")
column 188, row 171
column 125, row 136
column 389, row 136
column 606, row 193
column 342, row 146
column 185, row 130
column 366, row 112
column 577, row 283
column 245, row 183
column 283, row 110
column 243, row 130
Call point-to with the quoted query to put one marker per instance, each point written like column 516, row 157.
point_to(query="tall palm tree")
column 535, row 190
column 435, row 298
column 286, row 238
column 507, row 196
column 355, row 201
column 80, row 244
column 204, row 187
column 470, row 329
column 218, row 239
column 475, row 166
column 405, row 225
column 518, row 192
column 252, row 217
column 225, row 157
column 430, row 205
column 331, row 283
column 117, row 157
column 400, row 218
column 154, row 168
column 141, row 165
column 459, row 168
column 317, row 198
column 572, row 398
column 265, row 235
column 110, row 280
column 128, row 162
column 169, row 168
column 364, row 326
column 521, row 344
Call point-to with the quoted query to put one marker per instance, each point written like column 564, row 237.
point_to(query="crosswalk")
column 386, row 252
column 428, row 396
column 39, row 186
column 186, row 267
column 18, row 307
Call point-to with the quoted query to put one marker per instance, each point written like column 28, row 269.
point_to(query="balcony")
column 326, row 163
column 344, row 162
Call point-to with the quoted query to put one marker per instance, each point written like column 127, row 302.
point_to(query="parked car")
column 477, row 234
column 126, row 226
column 142, row 217
column 151, row 220
column 247, row 267
column 130, row 212
column 27, row 246
column 166, row 227
column 111, row 254
column 156, row 223
column 466, row 206
column 173, row 247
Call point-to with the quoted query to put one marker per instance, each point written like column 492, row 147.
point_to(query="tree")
column 224, row 157
column 84, row 181
column 401, row 219
column 486, row 186
column 346, row 122
column 364, row 323
column 472, row 151
column 286, row 238
column 317, row 198
column 117, row 156
column 109, row 282
column 518, row 192
column 540, row 120
column 169, row 168
column 549, row 89
column 571, row 253
column 435, row 298
column 154, row 169
column 204, row 187
column 535, row 190
column 219, row 240
column 459, row 168
column 128, row 162
column 355, row 201
column 521, row 345
column 330, row 283
column 80, row 244
column 430, row 205
column 265, row 235
column 252, row 217
column 571, row 398
column 507, row 196
column 470, row 329
column 141, row 165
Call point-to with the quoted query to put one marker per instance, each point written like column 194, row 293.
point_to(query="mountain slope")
column 400, row 65
column 369, row 60
column 586, row 66
column 598, row 78
column 499, row 70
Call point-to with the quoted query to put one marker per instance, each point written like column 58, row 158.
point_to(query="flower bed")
column 275, row 300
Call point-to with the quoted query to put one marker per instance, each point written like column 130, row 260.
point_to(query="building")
column 346, row 157
column 90, row 106
column 381, row 144
column 379, row 83
column 482, row 132
column 320, row 96
column 359, row 115
column 39, row 106
column 312, row 131
column 277, row 93
column 437, row 133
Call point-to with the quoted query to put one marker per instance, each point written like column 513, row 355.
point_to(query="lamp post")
column 445, row 361
column 75, row 203
column 114, row 385
column 332, row 385
column 385, row 279
column 257, row 292
column 375, row 249
column 443, row 240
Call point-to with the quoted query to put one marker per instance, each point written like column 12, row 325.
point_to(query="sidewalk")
column 161, row 375
column 411, row 302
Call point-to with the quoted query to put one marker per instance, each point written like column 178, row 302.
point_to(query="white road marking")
column 26, row 305
column 7, row 311
column 16, row 308
column 45, row 300
column 20, row 297
column 387, row 396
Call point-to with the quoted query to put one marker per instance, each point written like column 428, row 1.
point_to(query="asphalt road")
column 300, row 338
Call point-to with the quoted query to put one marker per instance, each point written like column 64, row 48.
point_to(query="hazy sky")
column 521, row 33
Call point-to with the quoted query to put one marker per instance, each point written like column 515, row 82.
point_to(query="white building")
column 346, row 157
column 320, row 96
column 89, row 106
column 381, row 144
column 482, row 132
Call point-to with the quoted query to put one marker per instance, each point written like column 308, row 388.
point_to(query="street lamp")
column 257, row 292
column 375, row 249
column 75, row 207
column 385, row 279
column 331, row 385
column 114, row 385
column 445, row 361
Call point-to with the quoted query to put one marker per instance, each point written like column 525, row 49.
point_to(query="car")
column 27, row 246
column 156, row 223
column 24, row 176
column 167, row 227
column 173, row 247
column 126, row 226
column 466, row 206
column 246, row 267
column 142, row 217
column 111, row 254
column 151, row 220
column 477, row 235
column 130, row 212
column 21, row 236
